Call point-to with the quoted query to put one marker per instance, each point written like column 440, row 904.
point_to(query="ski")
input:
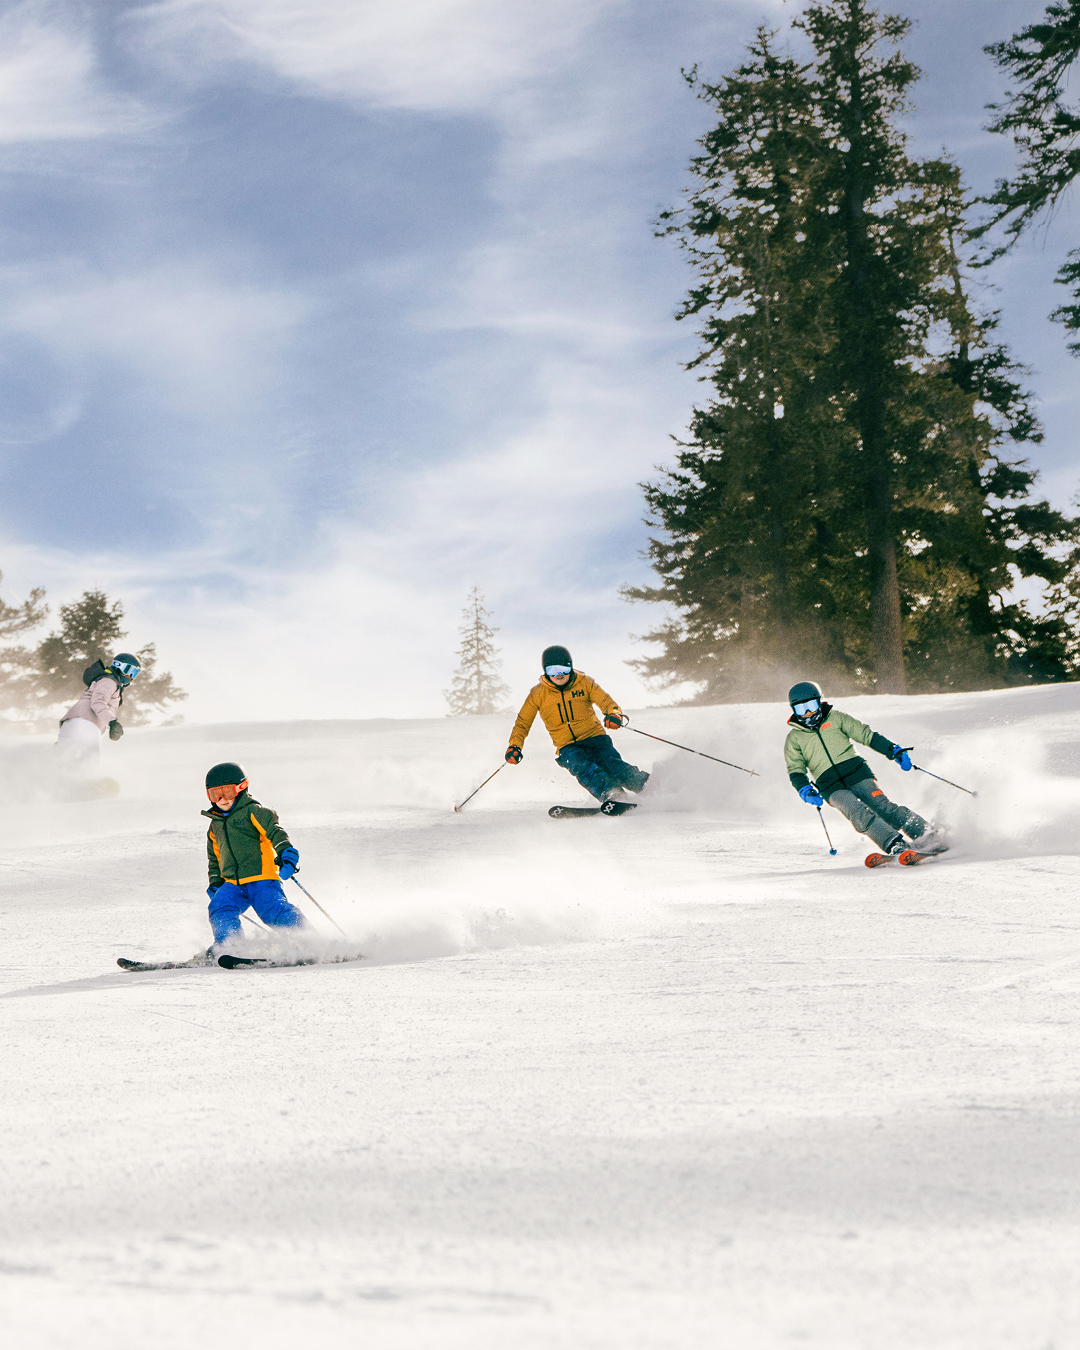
column 265, row 962
column 909, row 858
column 611, row 808
column 193, row 964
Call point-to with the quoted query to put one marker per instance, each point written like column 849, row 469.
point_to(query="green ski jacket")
column 826, row 754
column 244, row 845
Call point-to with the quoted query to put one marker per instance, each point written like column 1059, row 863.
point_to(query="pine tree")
column 1045, row 129
column 17, row 665
column 50, row 675
column 841, row 506
column 476, row 689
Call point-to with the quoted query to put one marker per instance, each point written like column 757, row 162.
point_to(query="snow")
column 676, row 1079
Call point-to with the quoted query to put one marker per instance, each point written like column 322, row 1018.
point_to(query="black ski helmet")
column 555, row 656
column 225, row 775
column 803, row 692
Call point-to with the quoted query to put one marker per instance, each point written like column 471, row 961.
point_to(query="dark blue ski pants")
column 599, row 767
column 266, row 898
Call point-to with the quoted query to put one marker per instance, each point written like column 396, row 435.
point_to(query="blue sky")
column 317, row 312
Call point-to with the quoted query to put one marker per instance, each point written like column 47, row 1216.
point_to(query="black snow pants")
column 871, row 812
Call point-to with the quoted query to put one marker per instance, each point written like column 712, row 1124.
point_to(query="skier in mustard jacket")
column 248, row 855
column 819, row 747
column 564, row 699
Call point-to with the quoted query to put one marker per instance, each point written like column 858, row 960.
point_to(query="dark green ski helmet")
column 803, row 692
column 225, row 775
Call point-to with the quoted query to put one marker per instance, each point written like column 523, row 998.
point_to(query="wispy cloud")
column 51, row 87
column 424, row 55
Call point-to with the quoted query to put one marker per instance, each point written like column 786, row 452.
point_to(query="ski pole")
column 322, row 911
column 832, row 851
column 939, row 777
column 476, row 790
column 752, row 772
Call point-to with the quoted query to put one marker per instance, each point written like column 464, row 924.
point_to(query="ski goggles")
column 552, row 671
column 226, row 792
column 811, row 705
column 126, row 669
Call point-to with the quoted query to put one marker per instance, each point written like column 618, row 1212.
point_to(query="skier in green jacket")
column 819, row 747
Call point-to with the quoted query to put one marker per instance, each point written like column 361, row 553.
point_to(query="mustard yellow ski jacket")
column 827, row 755
column 567, row 712
column 243, row 846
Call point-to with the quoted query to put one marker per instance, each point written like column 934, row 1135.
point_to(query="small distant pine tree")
column 476, row 689
column 17, row 664
column 90, row 628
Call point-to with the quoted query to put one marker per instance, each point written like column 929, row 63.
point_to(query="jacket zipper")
column 570, row 716
column 829, row 757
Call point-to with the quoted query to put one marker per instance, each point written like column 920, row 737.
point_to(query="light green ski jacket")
column 826, row 754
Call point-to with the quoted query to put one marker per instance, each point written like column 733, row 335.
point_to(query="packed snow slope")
column 677, row 1079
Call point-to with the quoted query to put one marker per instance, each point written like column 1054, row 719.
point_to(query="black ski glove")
column 115, row 730
column 614, row 720
column 513, row 754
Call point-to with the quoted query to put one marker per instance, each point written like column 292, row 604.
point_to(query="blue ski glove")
column 288, row 862
column 811, row 796
column 900, row 756
column 513, row 754
column 211, row 891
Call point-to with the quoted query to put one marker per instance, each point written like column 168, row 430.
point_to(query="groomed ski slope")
column 677, row 1079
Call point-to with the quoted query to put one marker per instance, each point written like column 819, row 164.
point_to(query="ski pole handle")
column 486, row 781
column 321, row 910
column 752, row 772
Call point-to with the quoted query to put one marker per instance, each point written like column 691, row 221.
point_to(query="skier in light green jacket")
column 819, row 747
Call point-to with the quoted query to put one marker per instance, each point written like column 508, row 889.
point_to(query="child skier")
column 564, row 699
column 248, row 855
column 818, row 746
column 95, row 711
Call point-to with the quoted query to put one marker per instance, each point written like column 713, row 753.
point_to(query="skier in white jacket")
column 95, row 711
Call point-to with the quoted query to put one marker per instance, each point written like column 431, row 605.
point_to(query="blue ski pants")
column 599, row 767
column 266, row 898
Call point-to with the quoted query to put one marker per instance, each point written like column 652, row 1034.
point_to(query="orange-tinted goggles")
column 227, row 793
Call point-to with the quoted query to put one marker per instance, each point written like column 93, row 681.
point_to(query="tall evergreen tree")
column 476, row 689
column 873, row 520
column 1045, row 128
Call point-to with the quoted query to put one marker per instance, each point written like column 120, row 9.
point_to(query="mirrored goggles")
column 812, row 705
column 226, row 792
column 552, row 671
column 126, row 669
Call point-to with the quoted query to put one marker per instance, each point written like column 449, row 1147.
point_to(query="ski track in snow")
column 677, row 1079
